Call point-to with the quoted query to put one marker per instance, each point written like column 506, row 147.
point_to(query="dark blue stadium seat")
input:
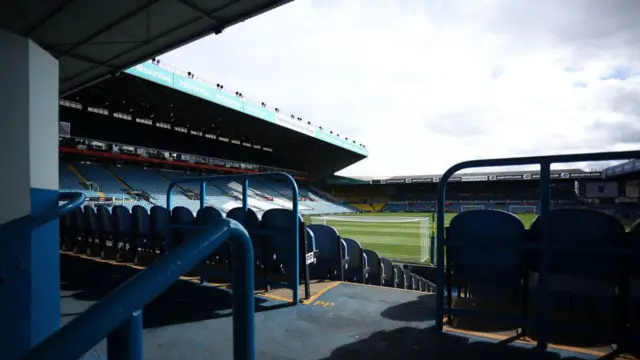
column 422, row 284
column 398, row 276
column 73, row 233
column 182, row 220
column 141, row 224
column 486, row 254
column 583, row 281
column 105, row 227
column 415, row 281
column 122, row 234
column 159, row 229
column 408, row 279
column 374, row 276
column 208, row 214
column 92, row 233
column 278, row 240
column 332, row 253
column 387, row 272
column 356, row 267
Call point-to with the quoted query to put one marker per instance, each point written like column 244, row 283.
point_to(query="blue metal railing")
column 119, row 315
column 294, row 283
column 544, row 247
column 72, row 200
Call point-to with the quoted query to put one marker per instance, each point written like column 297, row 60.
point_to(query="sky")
column 425, row 84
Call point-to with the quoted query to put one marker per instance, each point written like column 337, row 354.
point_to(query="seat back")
column 207, row 215
column 91, row 221
column 356, row 267
column 331, row 253
column 374, row 275
column 105, row 222
column 387, row 270
column 578, row 271
column 398, row 276
column 486, row 254
column 278, row 239
column 159, row 229
column 121, row 222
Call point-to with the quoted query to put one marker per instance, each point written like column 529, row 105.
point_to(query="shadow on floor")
column 84, row 281
column 412, row 343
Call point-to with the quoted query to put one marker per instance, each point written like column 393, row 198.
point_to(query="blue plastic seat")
column 105, row 226
column 486, row 255
column 387, row 272
column 408, row 279
column 398, row 276
column 91, row 244
column 140, row 225
column 159, row 229
column 356, row 267
column 332, row 253
column 182, row 221
column 278, row 241
column 374, row 275
column 122, row 234
column 584, row 280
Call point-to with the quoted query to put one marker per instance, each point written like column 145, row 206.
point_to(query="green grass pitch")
column 397, row 241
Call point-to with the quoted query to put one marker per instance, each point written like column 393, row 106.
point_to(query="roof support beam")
column 110, row 26
column 216, row 25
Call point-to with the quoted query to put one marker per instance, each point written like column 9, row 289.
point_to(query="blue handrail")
column 545, row 200
column 119, row 313
column 31, row 222
column 202, row 180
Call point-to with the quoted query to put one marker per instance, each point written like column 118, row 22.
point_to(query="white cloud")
column 426, row 84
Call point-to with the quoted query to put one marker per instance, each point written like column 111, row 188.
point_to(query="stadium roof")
column 485, row 176
column 95, row 39
column 174, row 100
column 625, row 168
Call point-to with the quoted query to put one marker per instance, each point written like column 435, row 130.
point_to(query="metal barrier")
column 544, row 248
column 119, row 315
column 294, row 283
column 73, row 200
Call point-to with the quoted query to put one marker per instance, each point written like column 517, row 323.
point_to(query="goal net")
column 523, row 209
column 471, row 207
column 403, row 239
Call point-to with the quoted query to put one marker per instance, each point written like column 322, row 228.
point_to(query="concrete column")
column 30, row 261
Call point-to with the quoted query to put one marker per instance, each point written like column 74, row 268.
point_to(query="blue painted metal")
column 545, row 246
column 125, row 342
column 294, row 284
column 203, row 194
column 116, row 309
column 73, row 201
column 245, row 194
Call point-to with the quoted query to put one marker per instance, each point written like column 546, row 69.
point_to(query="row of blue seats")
column 594, row 262
column 139, row 236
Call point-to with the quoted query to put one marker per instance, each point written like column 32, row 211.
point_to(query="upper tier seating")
column 121, row 182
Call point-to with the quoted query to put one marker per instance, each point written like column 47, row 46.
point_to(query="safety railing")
column 72, row 200
column 544, row 248
column 118, row 316
column 294, row 282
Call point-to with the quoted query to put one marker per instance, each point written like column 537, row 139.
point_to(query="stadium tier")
column 135, row 185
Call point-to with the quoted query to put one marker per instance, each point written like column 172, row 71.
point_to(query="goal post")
column 402, row 239
column 523, row 209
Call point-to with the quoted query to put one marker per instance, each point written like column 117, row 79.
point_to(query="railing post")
column 296, row 221
column 243, row 300
column 203, row 194
column 545, row 252
column 125, row 342
column 245, row 194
